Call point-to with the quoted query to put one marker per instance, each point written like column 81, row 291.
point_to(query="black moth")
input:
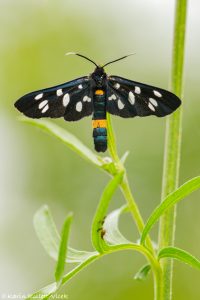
column 97, row 94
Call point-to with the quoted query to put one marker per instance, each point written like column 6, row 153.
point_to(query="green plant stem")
column 172, row 145
column 125, row 184
column 154, row 263
column 149, row 251
column 158, row 284
column 132, row 204
column 134, row 209
column 111, row 142
column 155, row 266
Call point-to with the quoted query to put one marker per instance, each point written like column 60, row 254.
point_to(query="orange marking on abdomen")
column 99, row 123
column 99, row 92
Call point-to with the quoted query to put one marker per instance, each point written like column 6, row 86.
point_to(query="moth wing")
column 127, row 99
column 59, row 101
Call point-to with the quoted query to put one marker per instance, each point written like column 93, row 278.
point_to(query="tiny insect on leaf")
column 95, row 95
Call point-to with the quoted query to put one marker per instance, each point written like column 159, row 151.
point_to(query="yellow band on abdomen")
column 99, row 123
column 99, row 92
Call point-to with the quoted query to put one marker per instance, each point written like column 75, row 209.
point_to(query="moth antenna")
column 73, row 53
column 110, row 62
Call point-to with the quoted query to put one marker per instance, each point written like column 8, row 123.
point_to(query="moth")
column 96, row 95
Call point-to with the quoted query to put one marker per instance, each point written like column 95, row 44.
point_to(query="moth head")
column 99, row 76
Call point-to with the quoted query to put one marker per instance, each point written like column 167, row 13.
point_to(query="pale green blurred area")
column 37, row 169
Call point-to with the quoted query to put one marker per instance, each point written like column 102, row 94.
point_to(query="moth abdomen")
column 99, row 123
column 100, row 138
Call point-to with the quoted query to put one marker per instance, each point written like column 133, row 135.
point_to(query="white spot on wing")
column 153, row 101
column 137, row 90
column 120, row 104
column 112, row 97
column 59, row 92
column 86, row 99
column 79, row 106
column 45, row 109
column 42, row 104
column 80, row 86
column 117, row 85
column 65, row 100
column 131, row 98
column 157, row 94
column 39, row 96
column 151, row 107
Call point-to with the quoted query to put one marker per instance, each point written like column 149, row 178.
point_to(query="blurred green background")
column 37, row 169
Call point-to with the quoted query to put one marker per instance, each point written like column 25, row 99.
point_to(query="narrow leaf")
column 143, row 273
column 124, row 157
column 97, row 226
column 112, row 234
column 67, row 138
column 46, row 231
column 181, row 255
column 47, row 291
column 44, row 293
column 60, row 267
column 183, row 191
column 50, row 239
column 78, row 256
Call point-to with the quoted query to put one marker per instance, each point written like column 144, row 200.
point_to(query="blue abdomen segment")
column 100, row 139
column 99, row 121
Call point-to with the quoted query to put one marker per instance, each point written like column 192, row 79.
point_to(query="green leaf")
column 97, row 233
column 67, row 138
column 44, row 293
column 143, row 273
column 50, row 239
column 47, row 291
column 60, row 267
column 46, row 231
column 112, row 234
column 110, row 166
column 183, row 191
column 181, row 255
column 124, row 157
column 78, row 256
